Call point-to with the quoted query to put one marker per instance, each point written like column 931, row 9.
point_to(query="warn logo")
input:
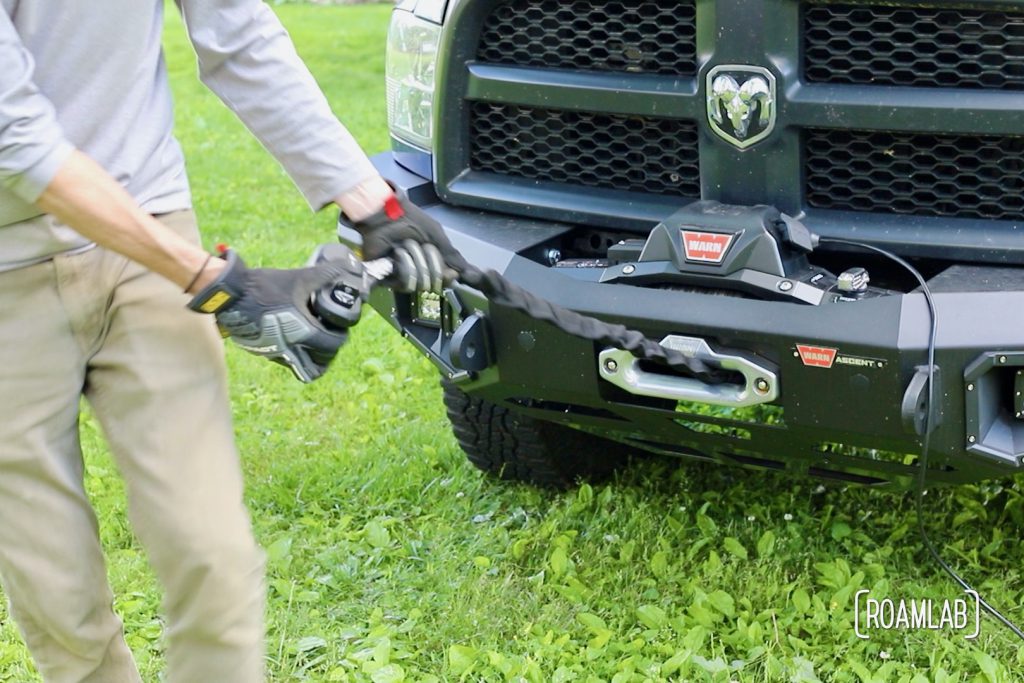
column 706, row 247
column 817, row 356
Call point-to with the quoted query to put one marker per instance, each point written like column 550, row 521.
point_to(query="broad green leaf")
column 863, row 673
column 803, row 671
column 652, row 616
column 279, row 549
column 308, row 643
column 841, row 597
column 712, row 666
column 707, row 525
column 585, row 495
column 723, row 602
column 563, row 675
column 675, row 662
column 696, row 547
column 152, row 631
column 694, row 639
column 461, row 658
column 831, row 574
column 130, row 606
column 591, row 621
column 840, row 530
column 601, row 639
column 520, row 547
column 989, row 666
column 962, row 518
column 573, row 591
column 766, row 544
column 382, row 651
column 626, row 551
column 801, row 600
column 659, row 564
column 392, row 673
column 377, row 535
column 735, row 548
column 702, row 615
column 559, row 561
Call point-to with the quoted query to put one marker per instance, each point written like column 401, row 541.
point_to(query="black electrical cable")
column 928, row 422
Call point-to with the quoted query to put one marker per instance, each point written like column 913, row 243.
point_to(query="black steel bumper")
column 849, row 378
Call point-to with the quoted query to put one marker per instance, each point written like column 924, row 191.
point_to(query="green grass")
column 391, row 559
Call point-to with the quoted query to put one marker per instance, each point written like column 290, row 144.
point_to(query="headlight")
column 412, row 50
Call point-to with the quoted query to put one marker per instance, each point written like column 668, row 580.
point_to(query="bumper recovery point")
column 757, row 383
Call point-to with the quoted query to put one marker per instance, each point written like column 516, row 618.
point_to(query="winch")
column 755, row 251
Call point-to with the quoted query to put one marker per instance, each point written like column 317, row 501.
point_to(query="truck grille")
column 960, row 176
column 914, row 46
column 545, row 97
column 643, row 154
column 637, row 36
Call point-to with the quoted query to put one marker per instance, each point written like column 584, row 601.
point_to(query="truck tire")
column 515, row 447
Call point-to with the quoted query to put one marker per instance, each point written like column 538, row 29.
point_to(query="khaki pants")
column 97, row 325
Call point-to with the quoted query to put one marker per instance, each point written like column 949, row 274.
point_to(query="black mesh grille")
column 641, row 36
column 642, row 154
column 918, row 46
column 963, row 176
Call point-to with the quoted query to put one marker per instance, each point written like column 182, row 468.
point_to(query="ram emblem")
column 741, row 103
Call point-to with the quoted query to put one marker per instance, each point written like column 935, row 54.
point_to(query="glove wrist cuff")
column 224, row 290
column 391, row 211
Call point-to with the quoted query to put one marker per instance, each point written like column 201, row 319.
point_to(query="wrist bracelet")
column 195, row 279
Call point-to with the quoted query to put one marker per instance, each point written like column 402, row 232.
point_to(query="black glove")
column 424, row 258
column 267, row 313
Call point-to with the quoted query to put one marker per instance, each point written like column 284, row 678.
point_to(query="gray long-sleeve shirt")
column 91, row 75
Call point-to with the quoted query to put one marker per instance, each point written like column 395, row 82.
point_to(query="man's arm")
column 85, row 197
column 247, row 58
column 266, row 312
column 42, row 167
column 32, row 143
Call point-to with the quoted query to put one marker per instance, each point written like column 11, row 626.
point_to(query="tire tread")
column 516, row 447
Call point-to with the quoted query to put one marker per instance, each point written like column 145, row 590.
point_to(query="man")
column 97, row 243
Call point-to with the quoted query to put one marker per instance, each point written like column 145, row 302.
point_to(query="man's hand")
column 267, row 313
column 424, row 258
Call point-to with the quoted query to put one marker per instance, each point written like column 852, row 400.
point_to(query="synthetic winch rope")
column 502, row 292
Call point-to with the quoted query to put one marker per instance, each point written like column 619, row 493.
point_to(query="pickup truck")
column 714, row 174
